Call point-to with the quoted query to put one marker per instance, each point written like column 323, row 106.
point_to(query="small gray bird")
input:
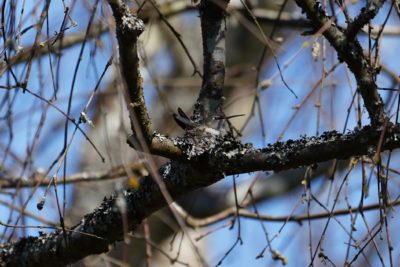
column 184, row 121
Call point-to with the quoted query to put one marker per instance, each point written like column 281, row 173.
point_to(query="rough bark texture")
column 224, row 156
column 209, row 103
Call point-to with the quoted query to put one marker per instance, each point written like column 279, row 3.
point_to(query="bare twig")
column 242, row 212
column 286, row 19
column 95, row 176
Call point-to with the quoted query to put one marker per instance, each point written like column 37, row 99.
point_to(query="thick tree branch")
column 103, row 227
column 310, row 150
column 350, row 51
column 129, row 28
column 224, row 156
column 209, row 103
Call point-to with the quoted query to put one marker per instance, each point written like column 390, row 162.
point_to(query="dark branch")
column 103, row 227
column 350, row 51
column 310, row 150
column 365, row 16
column 209, row 103
column 129, row 28
column 224, row 156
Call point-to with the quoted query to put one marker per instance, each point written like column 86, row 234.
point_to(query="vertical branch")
column 212, row 15
column 129, row 28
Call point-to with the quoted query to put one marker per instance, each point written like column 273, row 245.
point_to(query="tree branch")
column 226, row 156
column 103, row 227
column 350, row 51
column 129, row 28
column 245, row 213
column 37, row 179
column 209, row 103
column 365, row 16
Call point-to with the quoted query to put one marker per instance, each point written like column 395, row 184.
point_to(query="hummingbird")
column 186, row 123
